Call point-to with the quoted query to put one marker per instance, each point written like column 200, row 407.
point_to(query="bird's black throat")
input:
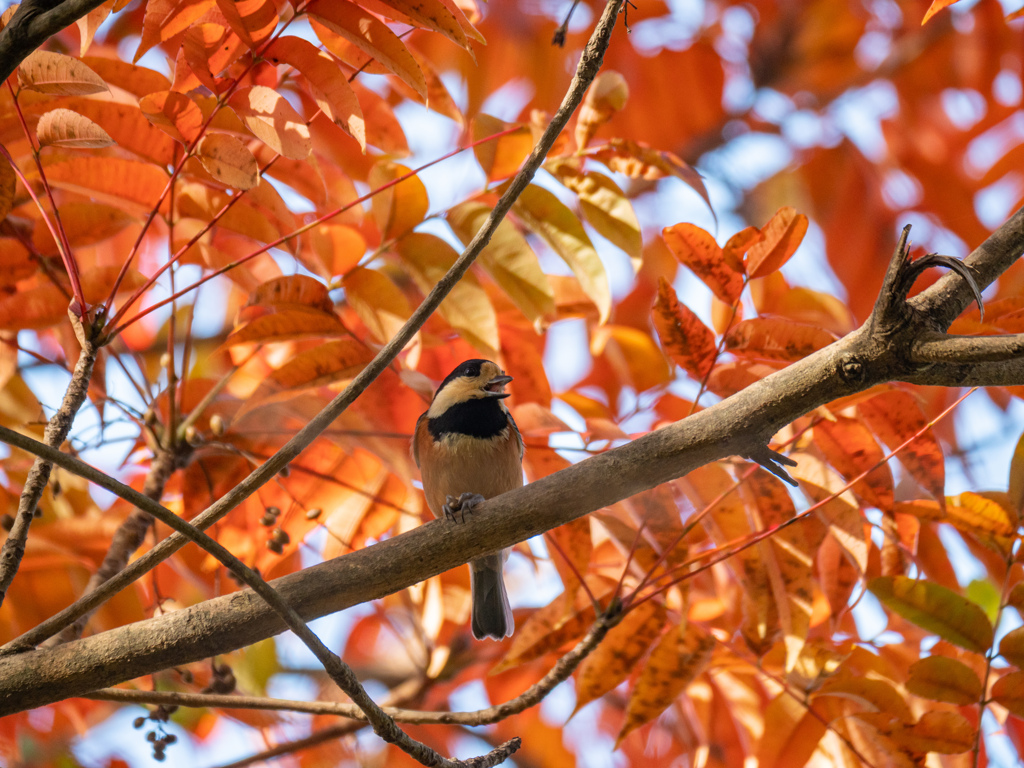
column 482, row 417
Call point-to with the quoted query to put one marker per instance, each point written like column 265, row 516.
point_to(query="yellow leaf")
column 500, row 158
column 941, row 678
column 508, row 259
column 55, row 73
column 64, row 128
column 228, row 160
column 605, row 208
column 272, row 120
column 606, row 96
column 676, row 661
column 936, row 609
column 399, row 207
column 466, row 308
column 544, row 214
column 875, row 695
column 379, row 303
column 790, row 734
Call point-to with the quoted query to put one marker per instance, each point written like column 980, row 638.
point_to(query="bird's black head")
column 472, row 380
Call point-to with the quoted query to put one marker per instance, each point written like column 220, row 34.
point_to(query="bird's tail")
column 492, row 614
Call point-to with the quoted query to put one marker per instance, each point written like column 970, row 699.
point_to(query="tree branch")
column 586, row 71
column 33, row 23
column 967, row 350
column 54, row 435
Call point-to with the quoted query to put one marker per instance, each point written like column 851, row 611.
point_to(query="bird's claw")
column 456, row 507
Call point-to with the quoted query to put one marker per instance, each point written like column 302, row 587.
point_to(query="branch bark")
column 54, row 435
column 33, row 23
column 868, row 356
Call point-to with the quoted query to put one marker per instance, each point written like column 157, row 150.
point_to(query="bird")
column 468, row 449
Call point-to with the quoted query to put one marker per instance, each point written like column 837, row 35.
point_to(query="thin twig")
column 56, row 432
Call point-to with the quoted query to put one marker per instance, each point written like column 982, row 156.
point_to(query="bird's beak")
column 496, row 386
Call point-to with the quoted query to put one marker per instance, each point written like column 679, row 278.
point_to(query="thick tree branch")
column 966, row 350
column 33, row 23
column 586, row 71
column 56, row 432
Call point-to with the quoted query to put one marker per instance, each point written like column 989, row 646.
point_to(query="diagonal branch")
column 56, row 432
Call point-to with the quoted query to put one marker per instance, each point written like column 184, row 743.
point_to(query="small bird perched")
column 468, row 449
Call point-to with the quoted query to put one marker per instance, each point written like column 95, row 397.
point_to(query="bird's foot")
column 456, row 507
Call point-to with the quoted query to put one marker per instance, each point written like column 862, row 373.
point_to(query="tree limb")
column 56, row 432
column 33, row 23
column 967, row 350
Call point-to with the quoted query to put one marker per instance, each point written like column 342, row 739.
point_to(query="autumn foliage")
column 249, row 199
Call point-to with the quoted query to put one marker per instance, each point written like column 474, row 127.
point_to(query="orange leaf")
column 467, row 307
column 435, row 15
column 941, row 678
column 569, row 550
column 632, row 354
column 947, row 733
column 129, row 184
column 776, row 339
column 175, row 113
column 618, row 654
column 209, row 49
column 791, row 733
column 292, row 290
column 272, row 120
column 1008, row 690
column 55, row 73
column 372, row 36
column 676, row 661
column 64, row 128
column 874, row 695
column 639, row 161
column 333, row 93
column 935, row 7
column 851, row 449
column 166, row 18
column 689, row 342
column 285, row 325
column 252, row 20
column 698, row 250
column 8, row 185
column 780, row 238
column 896, row 416
column 606, row 96
column 317, row 367
column 1011, row 647
column 228, row 160
column 500, row 158
column 84, row 223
